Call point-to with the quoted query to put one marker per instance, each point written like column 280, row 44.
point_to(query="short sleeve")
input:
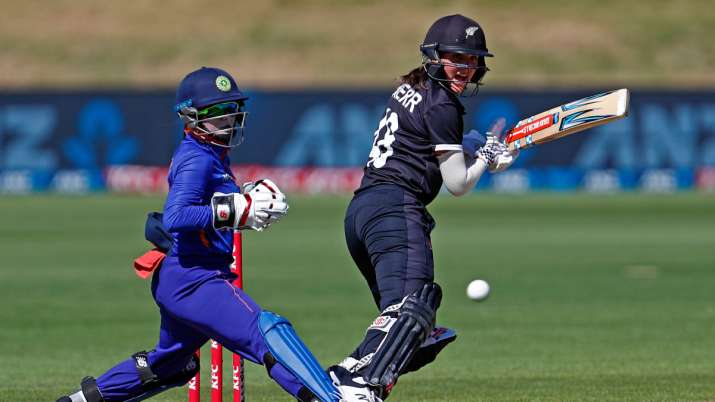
column 445, row 126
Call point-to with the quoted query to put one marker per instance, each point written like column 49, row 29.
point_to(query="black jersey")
column 416, row 125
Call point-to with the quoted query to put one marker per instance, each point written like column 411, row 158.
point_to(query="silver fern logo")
column 471, row 31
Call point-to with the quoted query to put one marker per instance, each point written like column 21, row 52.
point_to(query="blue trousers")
column 387, row 231
column 197, row 302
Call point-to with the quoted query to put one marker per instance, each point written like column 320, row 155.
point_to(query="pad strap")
column 141, row 362
column 90, row 390
column 306, row 395
column 269, row 361
column 190, row 367
column 415, row 321
column 430, row 348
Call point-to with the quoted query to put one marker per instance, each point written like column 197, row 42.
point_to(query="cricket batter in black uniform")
column 418, row 146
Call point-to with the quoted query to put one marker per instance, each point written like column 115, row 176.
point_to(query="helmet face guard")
column 211, row 106
column 221, row 124
column 434, row 67
column 455, row 34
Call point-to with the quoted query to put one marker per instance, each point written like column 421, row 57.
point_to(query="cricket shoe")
column 77, row 397
column 352, row 389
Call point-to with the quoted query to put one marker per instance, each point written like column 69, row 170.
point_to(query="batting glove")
column 472, row 141
column 503, row 161
column 491, row 150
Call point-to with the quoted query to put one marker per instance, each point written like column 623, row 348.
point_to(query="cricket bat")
column 568, row 119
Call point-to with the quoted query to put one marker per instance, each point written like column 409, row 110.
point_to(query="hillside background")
column 304, row 44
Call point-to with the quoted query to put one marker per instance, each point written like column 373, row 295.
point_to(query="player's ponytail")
column 417, row 78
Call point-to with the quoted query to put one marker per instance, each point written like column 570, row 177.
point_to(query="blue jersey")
column 416, row 125
column 197, row 171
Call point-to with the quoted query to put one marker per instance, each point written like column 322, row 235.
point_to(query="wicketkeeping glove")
column 257, row 209
column 278, row 208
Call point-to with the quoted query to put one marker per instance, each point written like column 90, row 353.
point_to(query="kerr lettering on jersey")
column 408, row 97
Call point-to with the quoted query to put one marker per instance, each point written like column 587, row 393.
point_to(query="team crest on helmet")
column 223, row 83
column 471, row 31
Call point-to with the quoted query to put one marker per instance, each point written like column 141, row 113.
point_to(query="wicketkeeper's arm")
column 185, row 208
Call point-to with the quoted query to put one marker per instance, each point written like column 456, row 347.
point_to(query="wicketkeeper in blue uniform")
column 194, row 286
column 418, row 147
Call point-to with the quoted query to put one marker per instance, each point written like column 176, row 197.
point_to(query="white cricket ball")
column 478, row 290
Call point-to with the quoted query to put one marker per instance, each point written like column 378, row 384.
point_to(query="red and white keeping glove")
column 278, row 208
column 262, row 204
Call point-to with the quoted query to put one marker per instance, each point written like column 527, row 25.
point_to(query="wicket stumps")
column 217, row 349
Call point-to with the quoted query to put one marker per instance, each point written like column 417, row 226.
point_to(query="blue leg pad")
column 289, row 350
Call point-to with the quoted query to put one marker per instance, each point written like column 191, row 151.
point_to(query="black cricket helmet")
column 211, row 105
column 455, row 34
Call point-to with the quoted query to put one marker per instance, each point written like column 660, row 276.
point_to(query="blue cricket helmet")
column 207, row 86
column 211, row 106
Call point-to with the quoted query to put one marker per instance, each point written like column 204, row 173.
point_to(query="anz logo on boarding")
column 332, row 134
column 27, row 131
column 100, row 125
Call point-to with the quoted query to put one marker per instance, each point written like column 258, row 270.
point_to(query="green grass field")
column 594, row 298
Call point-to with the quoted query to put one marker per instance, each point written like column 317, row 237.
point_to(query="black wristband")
column 224, row 211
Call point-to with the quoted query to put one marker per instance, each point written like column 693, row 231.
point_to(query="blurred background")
column 600, row 244
column 89, row 88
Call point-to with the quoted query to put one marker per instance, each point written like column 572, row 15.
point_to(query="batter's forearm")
column 460, row 173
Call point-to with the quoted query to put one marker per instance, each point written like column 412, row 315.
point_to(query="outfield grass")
column 595, row 298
